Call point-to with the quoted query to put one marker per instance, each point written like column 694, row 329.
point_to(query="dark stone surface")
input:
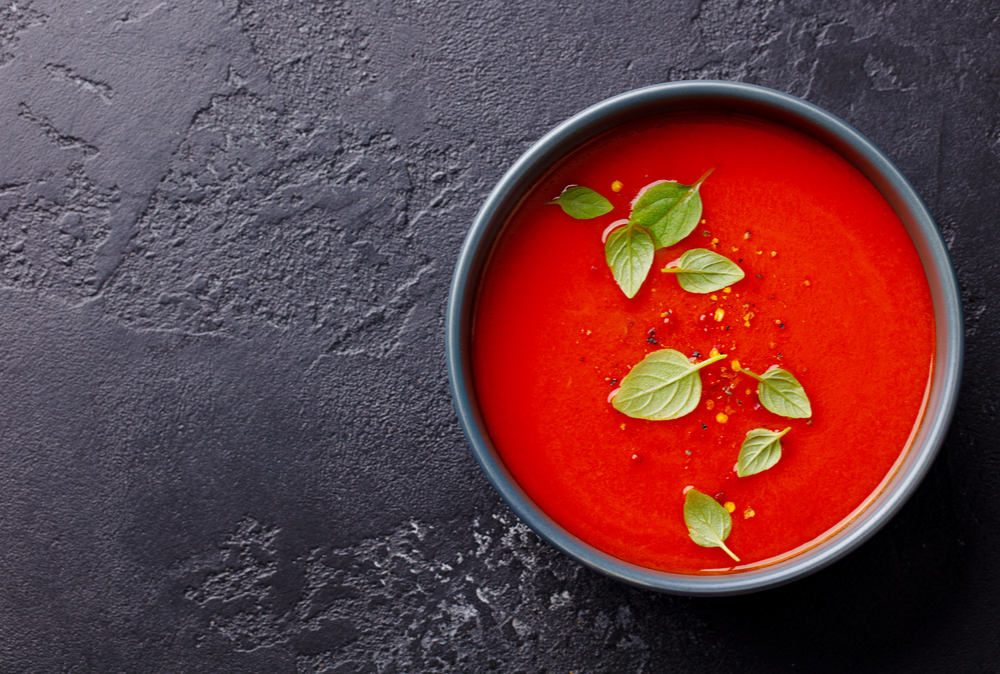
column 227, row 231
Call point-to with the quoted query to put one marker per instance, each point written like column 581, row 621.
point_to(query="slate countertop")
column 227, row 230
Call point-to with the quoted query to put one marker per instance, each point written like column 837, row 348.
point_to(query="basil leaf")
column 664, row 385
column 707, row 521
column 669, row 210
column 629, row 252
column 702, row 271
column 582, row 203
column 761, row 449
column 781, row 393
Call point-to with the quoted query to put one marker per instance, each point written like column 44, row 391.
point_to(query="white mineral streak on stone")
column 482, row 541
column 390, row 603
column 522, row 628
column 560, row 600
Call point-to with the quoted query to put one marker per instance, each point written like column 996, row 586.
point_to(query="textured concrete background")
column 227, row 231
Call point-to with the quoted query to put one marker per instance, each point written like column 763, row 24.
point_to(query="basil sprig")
column 629, row 252
column 781, row 393
column 708, row 522
column 582, row 203
column 761, row 449
column 664, row 385
column 664, row 213
column 703, row 271
column 669, row 210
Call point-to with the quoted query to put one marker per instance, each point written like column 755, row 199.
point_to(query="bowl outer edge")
column 798, row 114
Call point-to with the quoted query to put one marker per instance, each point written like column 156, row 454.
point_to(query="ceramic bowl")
column 769, row 105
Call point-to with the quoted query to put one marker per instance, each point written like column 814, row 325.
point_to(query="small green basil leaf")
column 708, row 522
column 761, row 449
column 669, row 210
column 781, row 393
column 664, row 385
column 629, row 252
column 582, row 203
column 702, row 271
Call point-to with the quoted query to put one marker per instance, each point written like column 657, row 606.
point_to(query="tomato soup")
column 833, row 291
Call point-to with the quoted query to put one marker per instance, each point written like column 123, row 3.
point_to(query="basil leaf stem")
column 781, row 393
column 702, row 271
column 669, row 210
column 664, row 385
column 761, row 449
column 582, row 203
column 708, row 522
column 629, row 252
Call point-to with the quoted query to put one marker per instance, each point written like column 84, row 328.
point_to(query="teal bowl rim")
column 771, row 105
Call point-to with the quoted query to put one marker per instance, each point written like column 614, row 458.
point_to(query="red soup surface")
column 834, row 292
